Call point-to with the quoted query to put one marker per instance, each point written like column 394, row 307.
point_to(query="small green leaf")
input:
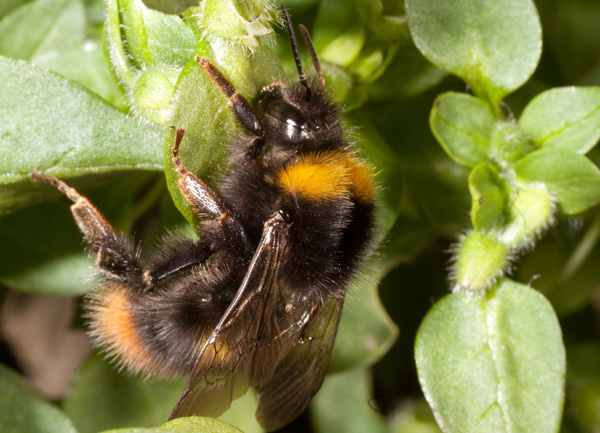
column 495, row 364
column 171, row 6
column 481, row 258
column 56, row 126
column 572, row 178
column 23, row 411
column 463, row 125
column 100, row 398
column 492, row 45
column 488, row 194
column 565, row 118
column 343, row 405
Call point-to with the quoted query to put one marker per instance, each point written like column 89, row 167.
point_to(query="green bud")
column 137, row 38
column 481, row 259
column 241, row 21
column 530, row 209
column 153, row 91
column 509, row 143
column 345, row 49
column 249, row 10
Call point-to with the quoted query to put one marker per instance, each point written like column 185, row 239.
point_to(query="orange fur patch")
column 362, row 181
column 113, row 326
column 328, row 176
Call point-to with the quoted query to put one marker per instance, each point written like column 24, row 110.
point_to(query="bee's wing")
column 300, row 373
column 232, row 358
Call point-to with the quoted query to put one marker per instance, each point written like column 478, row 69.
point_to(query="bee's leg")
column 241, row 108
column 192, row 255
column 116, row 256
column 207, row 205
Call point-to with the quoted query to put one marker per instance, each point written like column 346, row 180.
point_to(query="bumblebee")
column 257, row 300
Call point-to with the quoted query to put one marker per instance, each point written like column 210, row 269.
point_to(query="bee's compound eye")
column 288, row 114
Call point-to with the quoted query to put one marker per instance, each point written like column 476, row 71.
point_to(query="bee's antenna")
column 313, row 54
column 290, row 31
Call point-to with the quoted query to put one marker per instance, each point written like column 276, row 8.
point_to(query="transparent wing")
column 300, row 373
column 245, row 347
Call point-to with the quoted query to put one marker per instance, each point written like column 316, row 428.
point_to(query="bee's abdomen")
column 160, row 334
column 330, row 198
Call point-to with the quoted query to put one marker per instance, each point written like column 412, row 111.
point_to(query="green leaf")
column 53, row 125
column 41, row 248
column 171, row 6
column 8, row 6
column 463, row 125
column 153, row 37
column 51, row 33
column 56, row 266
column 492, row 45
column 488, row 194
column 366, row 332
column 495, row 364
column 185, row 425
column 565, row 118
column 343, row 405
column 100, row 398
column 572, row 178
column 42, row 27
column 85, row 64
column 23, row 411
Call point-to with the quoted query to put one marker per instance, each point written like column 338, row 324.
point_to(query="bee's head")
column 300, row 113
